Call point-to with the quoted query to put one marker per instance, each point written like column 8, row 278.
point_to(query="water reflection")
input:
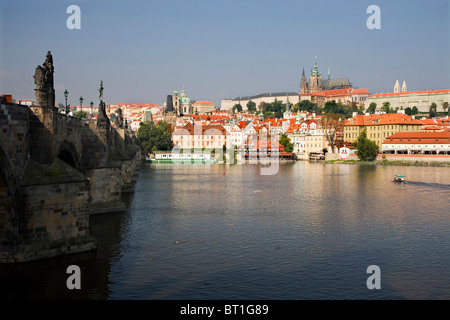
column 226, row 232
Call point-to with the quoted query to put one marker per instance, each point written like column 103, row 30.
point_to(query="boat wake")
column 430, row 185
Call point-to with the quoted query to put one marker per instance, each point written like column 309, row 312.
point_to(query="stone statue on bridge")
column 119, row 118
column 102, row 118
column 43, row 78
column 100, row 90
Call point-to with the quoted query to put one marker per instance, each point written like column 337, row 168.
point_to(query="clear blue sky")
column 220, row 48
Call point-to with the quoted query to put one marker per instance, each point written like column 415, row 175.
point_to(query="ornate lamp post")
column 66, row 94
column 81, row 103
column 92, row 104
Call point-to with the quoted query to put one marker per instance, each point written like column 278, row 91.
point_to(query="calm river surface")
column 308, row 232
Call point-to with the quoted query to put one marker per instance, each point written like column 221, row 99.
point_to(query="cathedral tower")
column 315, row 79
column 176, row 102
column 303, row 84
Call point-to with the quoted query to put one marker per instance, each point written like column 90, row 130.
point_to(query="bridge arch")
column 67, row 152
column 8, row 201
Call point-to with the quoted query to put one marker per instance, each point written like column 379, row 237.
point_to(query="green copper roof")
column 185, row 100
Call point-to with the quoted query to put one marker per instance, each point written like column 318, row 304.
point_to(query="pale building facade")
column 401, row 98
column 200, row 136
column 203, row 107
column 307, row 137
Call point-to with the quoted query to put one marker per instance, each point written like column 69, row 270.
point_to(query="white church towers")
column 397, row 87
column 404, row 88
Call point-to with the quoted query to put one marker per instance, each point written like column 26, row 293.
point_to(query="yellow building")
column 379, row 126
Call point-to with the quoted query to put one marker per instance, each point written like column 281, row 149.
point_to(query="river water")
column 213, row 232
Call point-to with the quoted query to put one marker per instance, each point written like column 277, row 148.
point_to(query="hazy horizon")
column 220, row 49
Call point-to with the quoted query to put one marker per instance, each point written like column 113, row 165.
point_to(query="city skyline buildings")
column 220, row 49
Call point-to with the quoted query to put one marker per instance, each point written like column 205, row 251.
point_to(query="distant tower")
column 169, row 104
column 185, row 103
column 328, row 78
column 288, row 113
column 176, row 102
column 396, row 87
column 288, row 104
column 404, row 88
column 170, row 115
column 315, row 79
column 303, row 84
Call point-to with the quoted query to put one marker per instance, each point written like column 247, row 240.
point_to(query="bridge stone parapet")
column 55, row 171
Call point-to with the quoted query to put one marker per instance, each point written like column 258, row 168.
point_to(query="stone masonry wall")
column 14, row 135
column 105, row 184
column 54, row 212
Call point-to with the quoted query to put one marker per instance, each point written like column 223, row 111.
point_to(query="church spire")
column 397, row 87
column 315, row 72
column 303, row 83
column 288, row 105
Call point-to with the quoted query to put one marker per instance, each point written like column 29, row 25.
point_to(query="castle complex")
column 309, row 90
column 316, row 84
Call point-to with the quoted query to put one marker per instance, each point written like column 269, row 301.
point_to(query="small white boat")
column 399, row 178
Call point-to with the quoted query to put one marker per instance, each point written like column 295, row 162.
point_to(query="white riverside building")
column 401, row 98
column 228, row 104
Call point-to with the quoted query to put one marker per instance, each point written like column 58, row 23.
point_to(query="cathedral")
column 316, row 84
column 182, row 104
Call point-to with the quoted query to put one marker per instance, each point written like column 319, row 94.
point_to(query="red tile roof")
column 428, row 121
column 440, row 137
column 340, row 92
column 443, row 122
column 136, row 105
column 205, row 103
column 436, row 128
column 212, row 117
column 294, row 127
column 393, row 94
column 266, row 144
column 381, row 119
column 200, row 130
column 360, row 91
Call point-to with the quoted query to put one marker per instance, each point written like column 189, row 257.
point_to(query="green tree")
column 433, row 110
column 237, row 107
column 335, row 108
column 81, row 114
column 155, row 136
column 251, row 106
column 414, row 110
column 305, row 105
column 286, row 142
column 367, row 150
column 445, row 106
column 372, row 107
column 408, row 111
column 386, row 107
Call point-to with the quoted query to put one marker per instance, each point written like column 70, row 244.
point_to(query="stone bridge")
column 55, row 171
